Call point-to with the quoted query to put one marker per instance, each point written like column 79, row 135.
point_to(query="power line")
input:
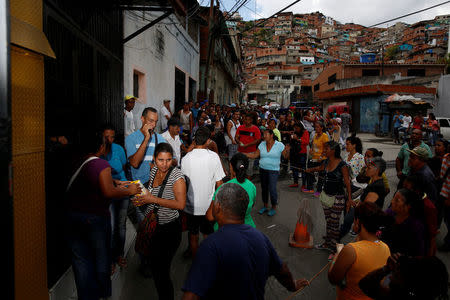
column 253, row 11
column 410, row 14
column 278, row 12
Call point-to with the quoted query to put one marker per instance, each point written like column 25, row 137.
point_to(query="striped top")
column 445, row 191
column 165, row 215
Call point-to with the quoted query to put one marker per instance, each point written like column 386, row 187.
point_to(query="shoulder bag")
column 148, row 226
column 78, row 171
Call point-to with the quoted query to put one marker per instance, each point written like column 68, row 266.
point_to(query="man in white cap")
column 130, row 127
column 166, row 114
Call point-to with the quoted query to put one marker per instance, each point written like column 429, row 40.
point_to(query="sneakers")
column 294, row 185
column 316, row 194
column 305, row 190
column 263, row 210
column 272, row 212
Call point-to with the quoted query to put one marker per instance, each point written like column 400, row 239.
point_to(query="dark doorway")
column 192, row 89
column 83, row 90
column 180, row 89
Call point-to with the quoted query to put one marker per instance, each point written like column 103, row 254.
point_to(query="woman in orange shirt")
column 358, row 259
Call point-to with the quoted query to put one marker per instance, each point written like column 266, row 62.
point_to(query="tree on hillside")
column 391, row 52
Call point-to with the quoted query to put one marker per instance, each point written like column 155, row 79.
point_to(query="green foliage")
column 391, row 52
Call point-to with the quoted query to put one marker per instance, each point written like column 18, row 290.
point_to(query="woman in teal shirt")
column 238, row 169
column 269, row 152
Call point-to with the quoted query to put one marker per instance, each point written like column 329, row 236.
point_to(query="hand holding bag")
column 148, row 226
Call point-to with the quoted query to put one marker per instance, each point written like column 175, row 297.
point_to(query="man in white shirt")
column 406, row 123
column 128, row 114
column 166, row 114
column 172, row 136
column 204, row 173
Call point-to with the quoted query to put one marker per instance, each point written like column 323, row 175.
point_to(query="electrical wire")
column 410, row 14
column 265, row 20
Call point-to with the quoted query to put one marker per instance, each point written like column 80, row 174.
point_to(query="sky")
column 364, row 12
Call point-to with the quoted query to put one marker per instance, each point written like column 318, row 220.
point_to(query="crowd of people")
column 192, row 171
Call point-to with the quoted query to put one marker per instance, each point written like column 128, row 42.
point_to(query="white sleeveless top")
column 184, row 119
column 233, row 130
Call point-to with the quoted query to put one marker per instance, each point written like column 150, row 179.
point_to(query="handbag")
column 326, row 200
column 148, row 226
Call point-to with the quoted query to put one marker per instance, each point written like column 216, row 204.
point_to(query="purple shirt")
column 85, row 195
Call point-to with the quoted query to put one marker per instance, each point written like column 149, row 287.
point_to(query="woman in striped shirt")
column 167, row 237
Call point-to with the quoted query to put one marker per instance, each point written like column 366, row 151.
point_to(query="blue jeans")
column 89, row 238
column 348, row 221
column 269, row 185
column 118, row 210
column 311, row 177
column 297, row 164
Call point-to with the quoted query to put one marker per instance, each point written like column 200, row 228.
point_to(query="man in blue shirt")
column 141, row 144
column 397, row 122
column 236, row 261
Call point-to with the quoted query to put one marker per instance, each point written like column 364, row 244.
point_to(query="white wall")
column 141, row 54
column 442, row 106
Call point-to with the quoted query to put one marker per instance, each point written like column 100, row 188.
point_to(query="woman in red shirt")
column 298, row 153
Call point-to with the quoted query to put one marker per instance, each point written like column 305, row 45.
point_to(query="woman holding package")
column 332, row 197
column 167, row 195
column 88, row 198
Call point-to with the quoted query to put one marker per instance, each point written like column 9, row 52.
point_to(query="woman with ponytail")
column 238, row 172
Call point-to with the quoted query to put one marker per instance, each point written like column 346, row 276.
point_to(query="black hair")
column 91, row 143
column 421, row 278
column 335, row 147
column 370, row 216
column 108, row 126
column 270, row 131
column 432, row 116
column 174, row 121
column 202, row 135
column 416, row 183
column 445, row 142
column 162, row 147
column 355, row 141
column 376, row 152
column 253, row 115
column 233, row 199
column 147, row 110
column 321, row 124
column 239, row 163
column 415, row 202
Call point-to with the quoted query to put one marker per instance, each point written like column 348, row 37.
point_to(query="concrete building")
column 326, row 81
column 162, row 62
column 220, row 81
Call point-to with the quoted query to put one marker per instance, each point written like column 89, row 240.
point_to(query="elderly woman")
column 332, row 195
column 167, row 194
column 269, row 152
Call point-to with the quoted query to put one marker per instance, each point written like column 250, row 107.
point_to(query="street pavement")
column 303, row 263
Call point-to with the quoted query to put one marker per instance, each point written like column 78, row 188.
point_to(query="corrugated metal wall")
column 83, row 90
